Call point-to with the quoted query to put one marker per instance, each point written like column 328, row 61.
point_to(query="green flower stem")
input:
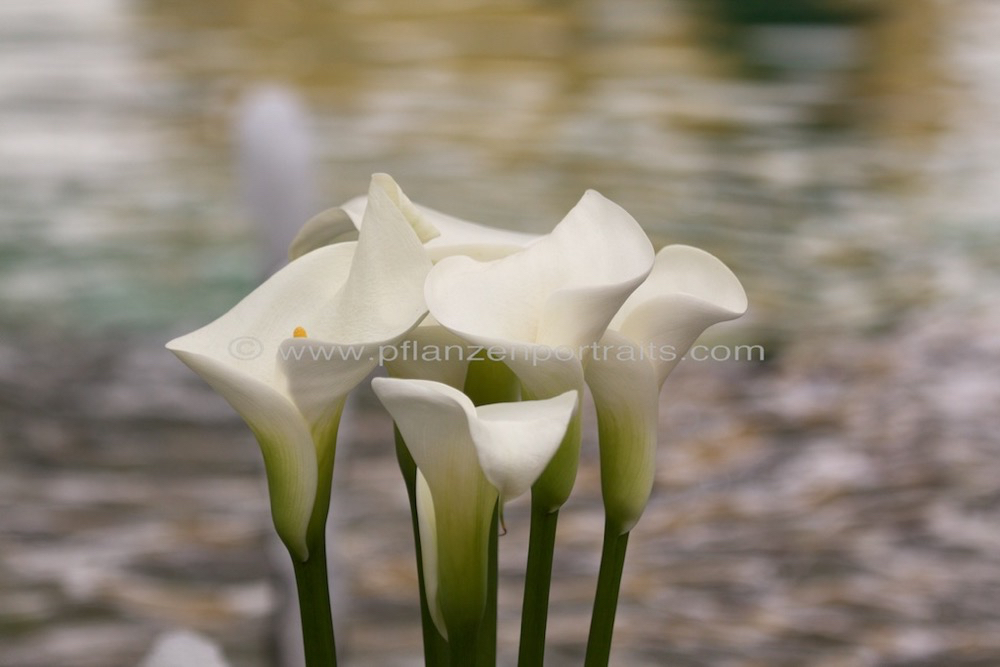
column 435, row 646
column 486, row 638
column 537, row 580
column 602, row 623
column 462, row 650
column 314, row 607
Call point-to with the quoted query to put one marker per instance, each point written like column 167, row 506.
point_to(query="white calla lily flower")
column 468, row 459
column 350, row 298
column 443, row 235
column 687, row 291
column 538, row 309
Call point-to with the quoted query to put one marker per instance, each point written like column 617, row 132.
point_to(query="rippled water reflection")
column 832, row 508
column 843, row 160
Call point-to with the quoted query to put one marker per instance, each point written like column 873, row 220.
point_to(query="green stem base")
column 462, row 650
column 602, row 623
column 314, row 605
column 537, row 581
column 486, row 637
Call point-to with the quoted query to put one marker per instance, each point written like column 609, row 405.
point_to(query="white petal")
column 516, row 441
column 562, row 290
column 445, row 235
column 343, row 222
column 319, row 377
column 626, row 391
column 546, row 372
column 605, row 255
column 424, row 228
column 246, row 339
column 433, row 419
column 688, row 291
column 383, row 295
column 331, row 226
column 486, row 302
column 461, row 237
column 381, row 299
column 355, row 209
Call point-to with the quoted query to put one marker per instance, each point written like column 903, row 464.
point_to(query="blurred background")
column 834, row 505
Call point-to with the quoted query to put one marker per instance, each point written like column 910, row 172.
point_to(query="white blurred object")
column 276, row 171
column 183, row 648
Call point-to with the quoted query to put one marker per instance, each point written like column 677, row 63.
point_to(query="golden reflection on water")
column 772, row 154
column 906, row 77
column 563, row 88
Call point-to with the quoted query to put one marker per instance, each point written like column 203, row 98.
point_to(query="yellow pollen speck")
column 299, row 332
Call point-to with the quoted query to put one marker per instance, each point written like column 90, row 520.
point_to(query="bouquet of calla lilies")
column 489, row 338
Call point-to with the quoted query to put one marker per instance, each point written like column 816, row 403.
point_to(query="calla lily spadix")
column 348, row 299
column 687, row 291
column 539, row 307
column 469, row 458
column 443, row 235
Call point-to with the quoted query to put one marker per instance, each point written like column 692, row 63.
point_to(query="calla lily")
column 443, row 234
column 468, row 458
column 538, row 308
column 431, row 352
column 687, row 291
column 350, row 299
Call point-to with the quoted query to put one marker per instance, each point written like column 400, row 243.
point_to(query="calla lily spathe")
column 541, row 306
column 342, row 224
column 687, row 291
column 468, row 458
column 429, row 351
column 443, row 235
column 349, row 298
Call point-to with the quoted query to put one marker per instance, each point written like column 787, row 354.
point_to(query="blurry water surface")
column 835, row 508
column 841, row 156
